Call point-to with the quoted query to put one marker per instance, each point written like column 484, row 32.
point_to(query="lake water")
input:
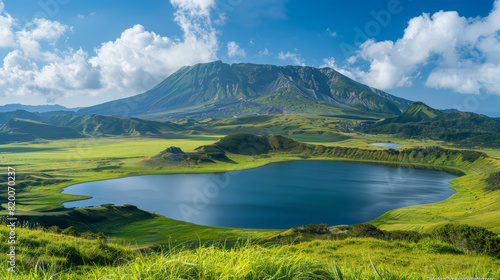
column 275, row 196
column 388, row 145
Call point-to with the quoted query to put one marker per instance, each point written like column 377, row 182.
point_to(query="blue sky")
column 81, row 53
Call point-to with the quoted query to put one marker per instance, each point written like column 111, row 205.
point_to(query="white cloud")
column 265, row 51
column 462, row 53
column 40, row 29
column 6, row 32
column 233, row 49
column 330, row 63
column 331, row 33
column 139, row 58
column 74, row 72
column 294, row 57
column 132, row 63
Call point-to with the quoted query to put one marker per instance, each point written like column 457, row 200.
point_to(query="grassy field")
column 49, row 255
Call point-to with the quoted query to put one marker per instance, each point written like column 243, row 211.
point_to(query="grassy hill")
column 38, row 130
column 63, row 125
column 111, row 125
column 418, row 112
column 422, row 122
column 52, row 253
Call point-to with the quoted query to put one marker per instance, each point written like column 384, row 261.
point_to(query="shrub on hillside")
column 312, row 228
column 365, row 230
column 406, row 235
column 470, row 238
column 493, row 182
column 435, row 246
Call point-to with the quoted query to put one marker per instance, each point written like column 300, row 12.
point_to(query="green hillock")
column 418, row 112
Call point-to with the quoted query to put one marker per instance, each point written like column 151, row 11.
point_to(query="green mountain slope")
column 417, row 112
column 111, row 125
column 51, row 127
column 421, row 121
column 18, row 114
column 213, row 89
column 28, row 129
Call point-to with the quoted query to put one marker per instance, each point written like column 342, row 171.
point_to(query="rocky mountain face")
column 218, row 89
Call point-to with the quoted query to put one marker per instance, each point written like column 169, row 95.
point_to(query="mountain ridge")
column 206, row 89
column 35, row 108
column 421, row 121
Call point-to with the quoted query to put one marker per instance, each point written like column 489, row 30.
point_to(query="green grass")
column 46, row 255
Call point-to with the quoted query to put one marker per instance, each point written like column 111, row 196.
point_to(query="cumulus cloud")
column 233, row 49
column 132, row 63
column 6, row 31
column 265, row 51
column 462, row 53
column 40, row 29
column 330, row 63
column 294, row 57
column 331, row 33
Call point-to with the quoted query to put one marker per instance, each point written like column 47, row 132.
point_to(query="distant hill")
column 111, row 125
column 25, row 126
column 34, row 108
column 221, row 90
column 418, row 112
column 19, row 114
column 449, row 110
column 422, row 121
column 28, row 129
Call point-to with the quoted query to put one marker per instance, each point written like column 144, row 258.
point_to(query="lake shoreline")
column 341, row 192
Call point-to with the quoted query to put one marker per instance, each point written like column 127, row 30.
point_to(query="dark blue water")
column 275, row 196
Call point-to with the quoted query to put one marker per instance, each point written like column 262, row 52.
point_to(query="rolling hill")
column 22, row 126
column 422, row 121
column 112, row 125
column 27, row 130
column 221, row 90
column 418, row 112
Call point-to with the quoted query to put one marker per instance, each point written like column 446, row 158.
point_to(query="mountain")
column 422, row 121
column 27, row 130
column 25, row 126
column 34, row 108
column 112, row 125
column 418, row 112
column 449, row 110
column 217, row 89
column 18, row 114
